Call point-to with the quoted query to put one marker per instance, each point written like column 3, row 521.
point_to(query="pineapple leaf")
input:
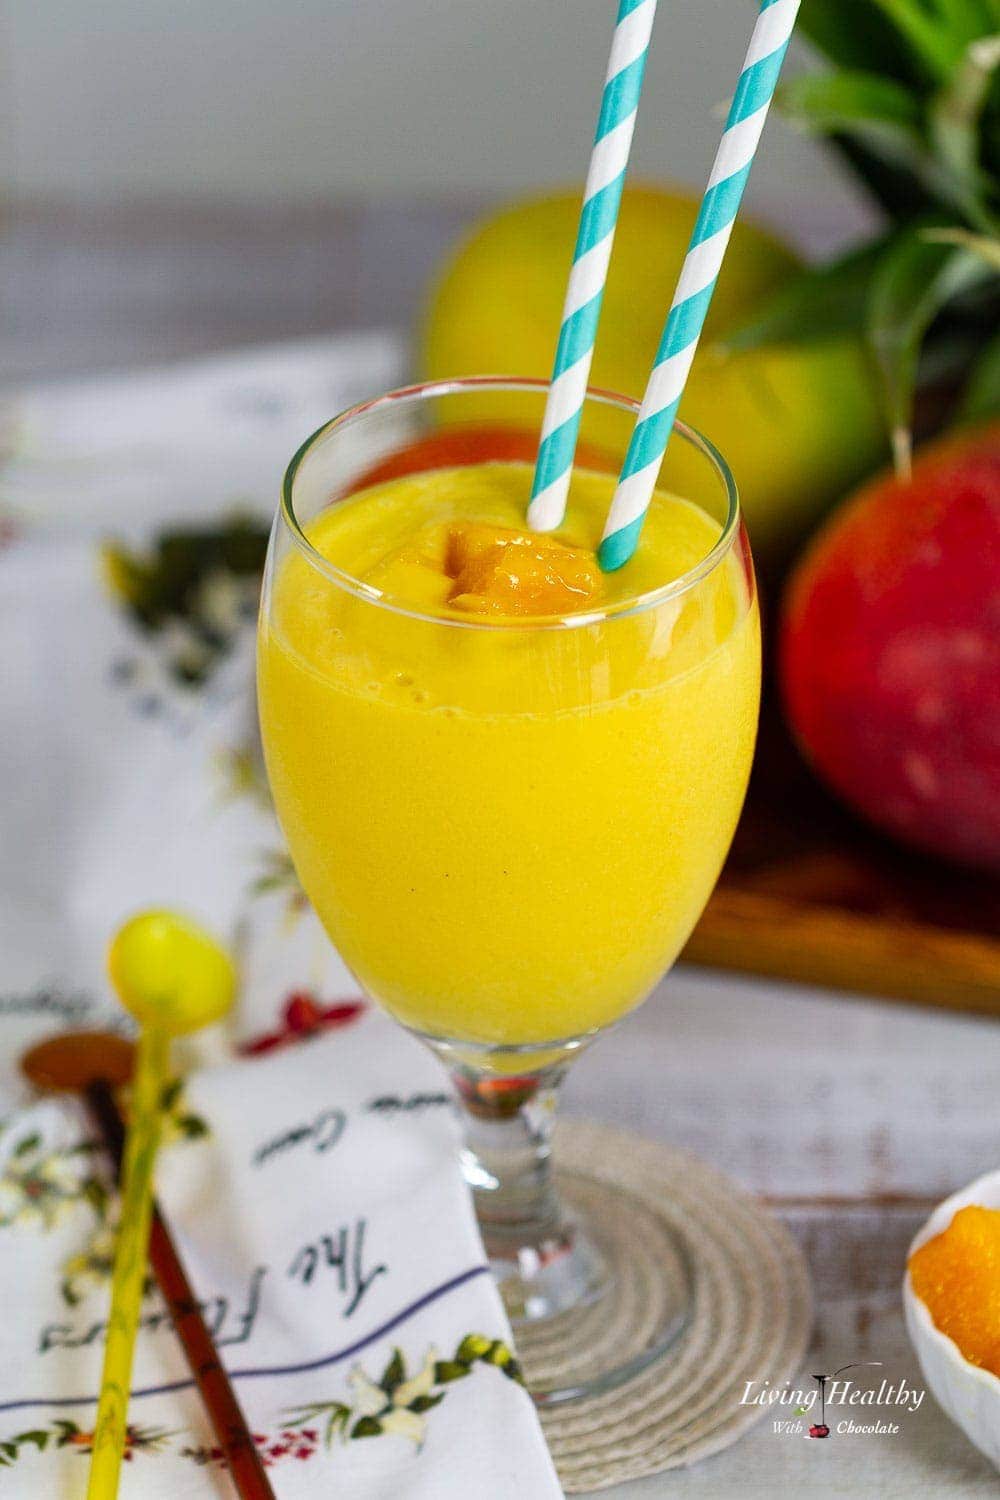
column 885, row 120
column 953, row 122
column 931, row 40
column 871, row 110
column 822, row 302
column 969, row 18
column 841, row 101
column 986, row 246
column 982, row 394
column 917, row 46
column 855, row 34
column 914, row 281
column 898, row 192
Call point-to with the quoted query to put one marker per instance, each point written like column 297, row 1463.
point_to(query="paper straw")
column 693, row 296
column 595, row 237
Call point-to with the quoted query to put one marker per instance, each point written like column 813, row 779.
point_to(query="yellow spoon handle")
column 130, row 1264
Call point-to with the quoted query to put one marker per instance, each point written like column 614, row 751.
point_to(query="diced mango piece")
column 957, row 1276
column 500, row 571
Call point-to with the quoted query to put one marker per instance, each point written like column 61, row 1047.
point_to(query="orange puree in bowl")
column 957, row 1276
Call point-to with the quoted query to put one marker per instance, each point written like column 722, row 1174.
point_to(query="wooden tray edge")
column 838, row 949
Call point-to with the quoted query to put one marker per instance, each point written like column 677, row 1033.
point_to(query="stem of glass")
column 542, row 1261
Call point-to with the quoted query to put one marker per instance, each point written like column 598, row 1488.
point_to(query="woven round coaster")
column 751, row 1316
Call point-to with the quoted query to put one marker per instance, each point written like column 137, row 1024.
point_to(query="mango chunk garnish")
column 957, row 1275
column 499, row 571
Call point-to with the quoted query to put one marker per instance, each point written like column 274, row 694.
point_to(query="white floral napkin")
column 310, row 1174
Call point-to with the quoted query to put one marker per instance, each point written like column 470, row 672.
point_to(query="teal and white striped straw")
column 595, row 237
column 714, row 225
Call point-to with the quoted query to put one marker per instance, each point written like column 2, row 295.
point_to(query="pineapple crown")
column 911, row 102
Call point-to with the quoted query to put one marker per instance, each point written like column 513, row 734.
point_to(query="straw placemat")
column 751, row 1315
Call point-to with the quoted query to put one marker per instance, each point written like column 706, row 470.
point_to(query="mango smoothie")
column 507, row 782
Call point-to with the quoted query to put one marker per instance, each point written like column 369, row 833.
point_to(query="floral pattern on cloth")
column 396, row 1404
column 91, row 1268
column 177, row 1121
column 39, row 1182
column 65, row 1434
column 191, row 594
column 399, row 1403
column 303, row 1016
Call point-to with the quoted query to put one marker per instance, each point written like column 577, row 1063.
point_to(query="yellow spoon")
column 173, row 977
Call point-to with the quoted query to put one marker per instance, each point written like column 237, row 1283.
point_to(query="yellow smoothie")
column 507, row 826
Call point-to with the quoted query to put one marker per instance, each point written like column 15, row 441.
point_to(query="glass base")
column 613, row 1296
column 595, row 1285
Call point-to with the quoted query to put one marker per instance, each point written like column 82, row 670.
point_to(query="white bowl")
column 969, row 1395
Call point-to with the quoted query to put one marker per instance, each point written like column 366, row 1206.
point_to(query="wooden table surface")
column 852, row 1117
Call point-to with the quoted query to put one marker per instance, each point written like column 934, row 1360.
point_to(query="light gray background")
column 284, row 99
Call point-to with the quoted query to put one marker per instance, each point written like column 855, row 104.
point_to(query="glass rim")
column 456, row 385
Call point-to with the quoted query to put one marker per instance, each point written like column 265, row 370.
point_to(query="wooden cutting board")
column 811, row 894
